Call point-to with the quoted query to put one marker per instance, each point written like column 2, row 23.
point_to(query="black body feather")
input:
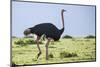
column 48, row 29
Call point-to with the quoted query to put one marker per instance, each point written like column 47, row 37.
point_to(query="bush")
column 19, row 42
column 67, row 36
column 67, row 54
column 90, row 36
column 52, row 47
column 29, row 41
column 51, row 55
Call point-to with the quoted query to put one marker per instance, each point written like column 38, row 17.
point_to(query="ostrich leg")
column 47, row 48
column 37, row 41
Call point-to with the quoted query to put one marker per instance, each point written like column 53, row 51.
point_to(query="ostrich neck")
column 62, row 17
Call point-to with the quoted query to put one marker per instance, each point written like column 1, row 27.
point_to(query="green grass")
column 83, row 49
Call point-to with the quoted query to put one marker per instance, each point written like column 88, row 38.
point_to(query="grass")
column 51, row 55
column 65, row 50
column 65, row 54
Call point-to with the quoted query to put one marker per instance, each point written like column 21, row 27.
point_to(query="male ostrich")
column 47, row 29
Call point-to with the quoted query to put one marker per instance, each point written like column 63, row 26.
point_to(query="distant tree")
column 67, row 36
column 14, row 37
column 90, row 36
column 29, row 37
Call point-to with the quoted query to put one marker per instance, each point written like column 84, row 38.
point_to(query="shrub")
column 40, row 42
column 67, row 36
column 52, row 47
column 19, row 42
column 29, row 41
column 65, row 54
column 51, row 55
column 90, row 36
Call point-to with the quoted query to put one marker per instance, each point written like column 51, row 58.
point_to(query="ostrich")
column 47, row 29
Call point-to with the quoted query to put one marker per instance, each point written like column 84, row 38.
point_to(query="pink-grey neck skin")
column 62, row 17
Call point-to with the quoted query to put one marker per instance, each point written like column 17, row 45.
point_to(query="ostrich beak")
column 64, row 10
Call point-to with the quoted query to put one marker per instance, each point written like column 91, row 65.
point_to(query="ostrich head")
column 63, row 10
column 27, row 32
